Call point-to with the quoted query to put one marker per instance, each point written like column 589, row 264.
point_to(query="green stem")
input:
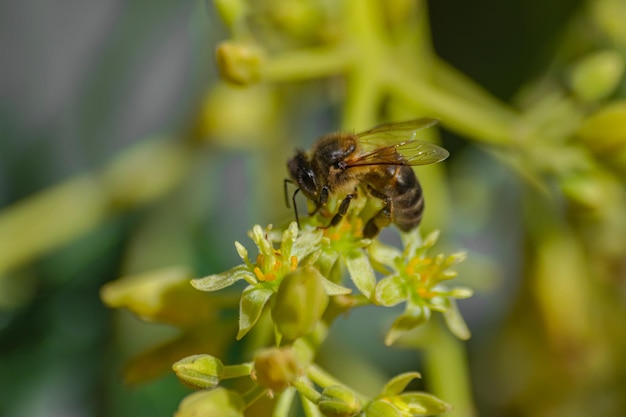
column 457, row 113
column 308, row 63
column 362, row 98
column 52, row 217
column 237, row 371
column 253, row 394
column 447, row 77
column 283, row 403
column 447, row 371
column 321, row 377
column 365, row 34
column 310, row 408
column 304, row 388
column 324, row 379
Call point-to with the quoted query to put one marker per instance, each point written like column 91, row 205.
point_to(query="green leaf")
column 413, row 316
column 390, row 291
column 455, row 321
column 398, row 384
column 253, row 299
column 361, row 272
column 419, row 404
column 222, row 280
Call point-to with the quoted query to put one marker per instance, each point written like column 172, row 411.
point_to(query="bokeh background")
column 96, row 98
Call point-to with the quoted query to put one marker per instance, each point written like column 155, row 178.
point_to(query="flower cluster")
column 294, row 276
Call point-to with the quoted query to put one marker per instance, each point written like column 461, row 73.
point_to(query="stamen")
column 294, row 263
column 259, row 274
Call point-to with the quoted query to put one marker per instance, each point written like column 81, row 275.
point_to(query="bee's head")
column 302, row 173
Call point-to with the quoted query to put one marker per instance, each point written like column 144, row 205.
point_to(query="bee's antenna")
column 287, row 180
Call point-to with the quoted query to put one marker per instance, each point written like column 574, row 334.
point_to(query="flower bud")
column 381, row 408
column 339, row 401
column 216, row 403
column 276, row 368
column 231, row 11
column 239, row 63
column 597, row 75
column 232, row 117
column 586, row 191
column 300, row 302
column 199, row 371
column 604, row 132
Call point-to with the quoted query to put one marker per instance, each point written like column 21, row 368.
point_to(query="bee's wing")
column 399, row 129
column 395, row 144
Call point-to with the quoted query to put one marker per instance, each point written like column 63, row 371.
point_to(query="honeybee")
column 380, row 160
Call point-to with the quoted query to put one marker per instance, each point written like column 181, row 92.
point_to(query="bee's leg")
column 321, row 201
column 381, row 219
column 343, row 209
column 323, row 196
column 295, row 206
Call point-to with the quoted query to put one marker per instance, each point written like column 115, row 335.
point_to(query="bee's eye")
column 308, row 182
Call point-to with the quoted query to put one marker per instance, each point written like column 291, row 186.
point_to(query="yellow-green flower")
column 418, row 280
column 394, row 402
column 266, row 273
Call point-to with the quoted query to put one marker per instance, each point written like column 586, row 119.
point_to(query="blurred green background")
column 96, row 98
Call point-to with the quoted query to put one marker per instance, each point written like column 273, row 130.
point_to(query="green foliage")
column 547, row 167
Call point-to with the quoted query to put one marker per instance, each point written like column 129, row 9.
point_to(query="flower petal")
column 306, row 243
column 419, row 404
column 253, row 299
column 390, row 291
column 381, row 408
column 413, row 316
column 334, row 289
column 455, row 321
column 384, row 254
column 361, row 272
column 223, row 279
column 398, row 384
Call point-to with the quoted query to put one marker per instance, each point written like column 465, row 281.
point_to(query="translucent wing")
column 405, row 130
column 395, row 144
